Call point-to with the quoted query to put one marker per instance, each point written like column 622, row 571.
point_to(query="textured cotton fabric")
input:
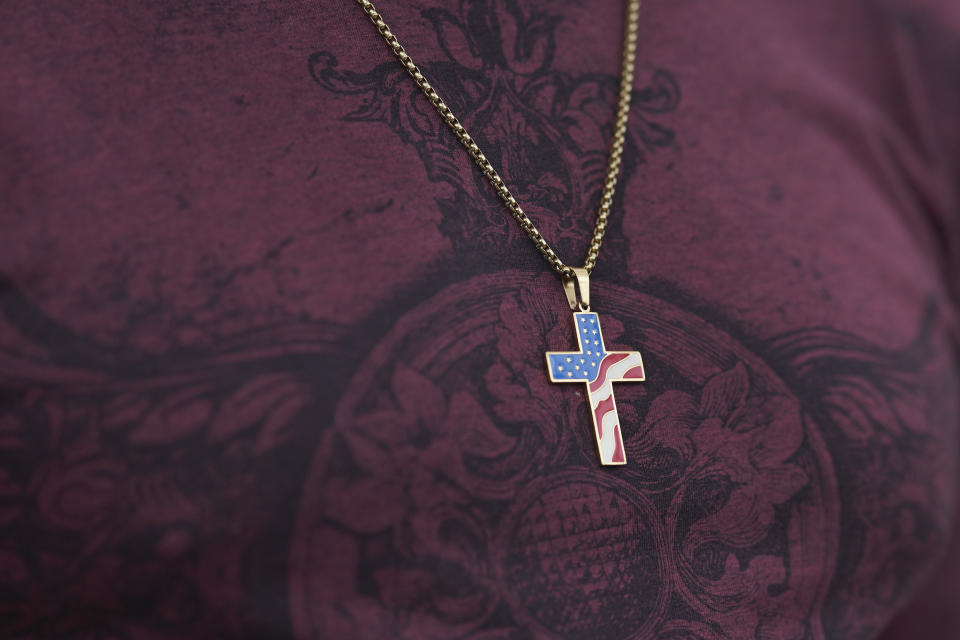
column 271, row 350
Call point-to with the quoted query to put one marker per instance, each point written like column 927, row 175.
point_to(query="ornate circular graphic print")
column 458, row 493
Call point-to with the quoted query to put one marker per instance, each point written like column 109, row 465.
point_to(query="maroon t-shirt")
column 272, row 351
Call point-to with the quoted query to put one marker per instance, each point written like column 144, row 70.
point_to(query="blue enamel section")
column 583, row 365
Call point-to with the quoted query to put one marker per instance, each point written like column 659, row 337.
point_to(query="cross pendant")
column 599, row 369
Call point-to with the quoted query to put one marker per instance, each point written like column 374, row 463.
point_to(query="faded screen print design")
column 414, row 474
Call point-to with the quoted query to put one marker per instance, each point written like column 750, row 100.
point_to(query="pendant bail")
column 581, row 280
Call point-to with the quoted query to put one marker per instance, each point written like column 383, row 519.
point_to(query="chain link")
column 616, row 147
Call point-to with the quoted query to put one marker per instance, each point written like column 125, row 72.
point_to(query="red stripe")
column 603, row 408
column 634, row 374
column 605, row 364
column 618, row 455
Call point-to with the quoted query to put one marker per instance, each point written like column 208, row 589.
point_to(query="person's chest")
column 296, row 310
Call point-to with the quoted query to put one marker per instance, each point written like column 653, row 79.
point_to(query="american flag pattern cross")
column 598, row 369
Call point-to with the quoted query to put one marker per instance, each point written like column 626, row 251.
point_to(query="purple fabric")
column 271, row 352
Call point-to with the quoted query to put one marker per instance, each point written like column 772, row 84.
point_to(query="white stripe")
column 599, row 396
column 609, row 441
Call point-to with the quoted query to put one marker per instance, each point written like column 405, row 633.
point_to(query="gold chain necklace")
column 592, row 364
